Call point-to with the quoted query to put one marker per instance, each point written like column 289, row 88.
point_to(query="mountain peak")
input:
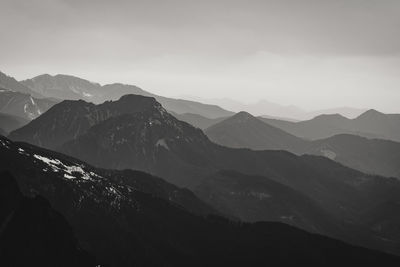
column 371, row 113
column 336, row 116
column 243, row 115
column 136, row 103
column 10, row 83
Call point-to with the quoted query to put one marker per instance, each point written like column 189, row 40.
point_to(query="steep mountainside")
column 371, row 124
column 9, row 83
column 23, row 105
column 245, row 131
column 122, row 225
column 74, row 88
column 33, row 233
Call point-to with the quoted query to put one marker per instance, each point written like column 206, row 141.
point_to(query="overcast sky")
column 310, row 53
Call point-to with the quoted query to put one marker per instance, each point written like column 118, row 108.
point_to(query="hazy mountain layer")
column 245, row 131
column 372, row 124
column 23, row 105
column 9, row 83
column 74, row 88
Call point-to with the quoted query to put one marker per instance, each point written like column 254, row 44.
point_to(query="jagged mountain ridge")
column 69, row 119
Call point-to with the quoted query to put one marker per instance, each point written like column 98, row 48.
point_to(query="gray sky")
column 311, row 53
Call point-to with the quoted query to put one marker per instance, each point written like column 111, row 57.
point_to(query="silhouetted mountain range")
column 125, row 219
column 135, row 132
column 74, row 88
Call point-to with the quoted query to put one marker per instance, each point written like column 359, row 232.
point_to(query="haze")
column 313, row 54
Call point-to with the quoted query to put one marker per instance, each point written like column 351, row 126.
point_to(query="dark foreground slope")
column 124, row 226
column 32, row 233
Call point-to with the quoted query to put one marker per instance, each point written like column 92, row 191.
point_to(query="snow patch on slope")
column 70, row 170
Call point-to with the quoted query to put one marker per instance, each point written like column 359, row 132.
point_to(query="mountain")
column 9, row 122
column 70, row 119
column 272, row 110
column 372, row 156
column 246, row 131
column 371, row 124
column 136, row 132
column 347, row 112
column 33, row 233
column 260, row 108
column 73, row 88
column 255, row 198
column 124, row 224
column 197, row 120
column 9, row 83
column 62, row 87
column 23, row 105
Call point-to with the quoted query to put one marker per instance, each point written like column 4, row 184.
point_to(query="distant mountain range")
column 270, row 109
column 373, row 156
column 74, row 88
column 197, row 120
column 136, row 132
column 22, row 105
column 245, row 131
column 372, row 124
column 126, row 218
column 9, row 83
